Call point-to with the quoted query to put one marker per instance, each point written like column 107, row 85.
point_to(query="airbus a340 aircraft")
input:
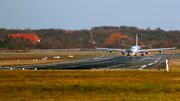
column 134, row 50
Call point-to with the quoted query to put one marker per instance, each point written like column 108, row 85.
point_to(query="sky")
column 86, row 14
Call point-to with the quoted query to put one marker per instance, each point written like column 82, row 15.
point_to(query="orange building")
column 31, row 37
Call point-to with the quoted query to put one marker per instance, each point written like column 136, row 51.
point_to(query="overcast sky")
column 85, row 14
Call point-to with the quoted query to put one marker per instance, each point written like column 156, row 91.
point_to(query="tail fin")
column 136, row 39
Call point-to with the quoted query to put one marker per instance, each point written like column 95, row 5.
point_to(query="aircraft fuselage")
column 134, row 49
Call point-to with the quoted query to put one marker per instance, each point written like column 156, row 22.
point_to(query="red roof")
column 125, row 36
column 31, row 37
column 68, row 31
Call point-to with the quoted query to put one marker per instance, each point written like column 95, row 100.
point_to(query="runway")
column 102, row 62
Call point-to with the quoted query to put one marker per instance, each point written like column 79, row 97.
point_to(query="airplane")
column 134, row 50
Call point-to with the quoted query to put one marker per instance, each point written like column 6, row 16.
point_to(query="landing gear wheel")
column 128, row 54
column 142, row 54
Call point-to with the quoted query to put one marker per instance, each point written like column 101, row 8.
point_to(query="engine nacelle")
column 110, row 51
column 146, row 52
column 123, row 53
column 160, row 51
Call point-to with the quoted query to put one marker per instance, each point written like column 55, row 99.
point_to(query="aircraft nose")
column 134, row 50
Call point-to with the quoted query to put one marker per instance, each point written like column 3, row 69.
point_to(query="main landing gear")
column 142, row 54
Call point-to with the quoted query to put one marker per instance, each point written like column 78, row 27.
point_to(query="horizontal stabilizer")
column 128, row 45
column 144, row 45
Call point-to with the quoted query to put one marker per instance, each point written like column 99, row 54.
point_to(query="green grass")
column 90, row 85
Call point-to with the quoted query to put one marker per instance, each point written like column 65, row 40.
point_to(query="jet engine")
column 110, row 51
column 123, row 53
column 160, row 51
column 146, row 52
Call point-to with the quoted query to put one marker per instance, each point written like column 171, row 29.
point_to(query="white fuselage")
column 134, row 49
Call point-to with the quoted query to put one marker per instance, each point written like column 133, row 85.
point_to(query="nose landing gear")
column 128, row 54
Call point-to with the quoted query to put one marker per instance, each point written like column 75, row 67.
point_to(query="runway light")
column 57, row 57
column 71, row 56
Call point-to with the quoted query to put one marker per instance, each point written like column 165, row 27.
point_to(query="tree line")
column 104, row 36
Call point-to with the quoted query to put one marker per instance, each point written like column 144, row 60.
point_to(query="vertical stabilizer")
column 136, row 39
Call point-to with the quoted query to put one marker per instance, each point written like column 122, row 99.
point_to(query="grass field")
column 174, row 64
column 92, row 85
column 88, row 85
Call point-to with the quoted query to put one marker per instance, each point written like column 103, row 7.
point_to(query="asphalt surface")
column 101, row 62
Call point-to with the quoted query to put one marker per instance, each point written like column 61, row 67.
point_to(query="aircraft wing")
column 144, row 50
column 113, row 49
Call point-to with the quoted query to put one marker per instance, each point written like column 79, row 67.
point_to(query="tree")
column 116, row 35
column 57, row 38
column 3, row 44
column 109, row 41
column 113, row 38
